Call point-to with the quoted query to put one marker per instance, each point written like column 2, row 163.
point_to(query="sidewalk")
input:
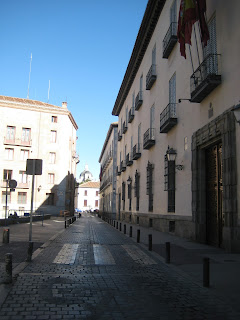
column 93, row 271
column 187, row 256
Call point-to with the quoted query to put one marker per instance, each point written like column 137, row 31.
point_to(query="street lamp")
column 236, row 111
column 171, row 156
column 129, row 180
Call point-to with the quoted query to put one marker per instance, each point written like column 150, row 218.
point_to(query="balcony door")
column 211, row 48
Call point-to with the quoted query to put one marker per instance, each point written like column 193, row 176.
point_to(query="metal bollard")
column 117, row 224
column 124, row 229
column 6, row 233
column 65, row 224
column 30, row 251
column 150, row 242
column 167, row 259
column 8, row 265
column 114, row 223
column 206, row 272
column 120, row 226
column 138, row 235
column 130, row 232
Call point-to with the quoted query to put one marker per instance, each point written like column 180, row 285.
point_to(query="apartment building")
column 37, row 130
column 88, row 196
column 108, row 176
column 178, row 139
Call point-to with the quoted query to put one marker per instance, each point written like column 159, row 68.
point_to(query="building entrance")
column 214, row 191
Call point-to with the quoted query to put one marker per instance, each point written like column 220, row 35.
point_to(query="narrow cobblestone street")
column 93, row 271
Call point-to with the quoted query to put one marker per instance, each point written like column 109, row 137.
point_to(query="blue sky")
column 82, row 47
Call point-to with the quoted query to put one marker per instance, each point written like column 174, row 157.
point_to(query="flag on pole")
column 187, row 17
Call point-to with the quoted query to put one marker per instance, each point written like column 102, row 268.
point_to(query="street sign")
column 34, row 167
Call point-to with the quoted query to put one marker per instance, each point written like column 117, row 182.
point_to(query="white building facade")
column 177, row 127
column 88, row 196
column 37, row 130
column 108, row 173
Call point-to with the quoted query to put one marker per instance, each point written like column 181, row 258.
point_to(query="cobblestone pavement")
column 92, row 271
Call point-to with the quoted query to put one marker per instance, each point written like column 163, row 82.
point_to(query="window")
column 52, row 157
column 169, row 183
column 150, row 186
column 123, row 194
column 7, row 174
column 154, row 55
column 172, row 89
column 139, row 135
column 22, row 197
column 49, row 199
column 173, row 13
column 96, row 193
column 24, row 155
column 54, row 119
column 9, row 154
column 4, row 197
column 96, row 203
column 10, row 133
column 85, row 203
column 185, row 143
column 26, row 134
column 85, row 192
column 53, row 137
column 22, row 177
column 137, row 189
column 51, row 178
column 130, row 195
column 152, row 116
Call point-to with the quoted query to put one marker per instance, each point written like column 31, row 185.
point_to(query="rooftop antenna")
column 29, row 76
column 48, row 90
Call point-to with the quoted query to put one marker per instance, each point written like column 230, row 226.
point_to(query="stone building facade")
column 178, row 139
column 36, row 130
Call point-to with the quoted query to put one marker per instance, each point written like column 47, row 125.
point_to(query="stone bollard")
column 150, row 242
column 130, row 232
column 124, row 228
column 8, row 265
column 30, row 251
column 167, row 259
column 6, row 233
column 206, row 272
column 138, row 236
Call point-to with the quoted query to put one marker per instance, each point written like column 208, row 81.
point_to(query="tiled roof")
column 90, row 184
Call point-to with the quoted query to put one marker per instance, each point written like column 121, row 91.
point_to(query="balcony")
column 149, row 138
column 130, row 115
column 136, row 151
column 170, row 40
column 119, row 136
column 168, row 118
column 124, row 127
column 151, row 77
column 23, row 185
column 129, row 160
column 206, row 78
column 17, row 142
column 118, row 172
column 138, row 100
column 123, row 166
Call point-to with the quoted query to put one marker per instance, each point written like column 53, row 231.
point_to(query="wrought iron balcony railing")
column 119, row 136
column 123, row 165
column 129, row 160
column 168, row 118
column 151, row 77
column 149, row 138
column 130, row 115
column 136, row 151
column 206, row 78
column 125, row 127
column 170, row 40
column 138, row 100
column 17, row 142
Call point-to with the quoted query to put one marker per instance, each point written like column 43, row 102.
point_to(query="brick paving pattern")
column 92, row 271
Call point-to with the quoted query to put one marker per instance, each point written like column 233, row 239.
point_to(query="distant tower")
column 85, row 175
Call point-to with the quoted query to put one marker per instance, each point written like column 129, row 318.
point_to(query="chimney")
column 64, row 105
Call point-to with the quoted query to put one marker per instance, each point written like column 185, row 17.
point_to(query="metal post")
column 130, row 232
column 6, row 235
column 150, row 242
column 30, row 251
column 6, row 202
column 167, row 259
column 206, row 272
column 138, row 235
column 120, row 226
column 33, row 178
column 8, row 265
column 114, row 223
column 124, row 229
column 117, row 224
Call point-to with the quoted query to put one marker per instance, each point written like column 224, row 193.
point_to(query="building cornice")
column 149, row 22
